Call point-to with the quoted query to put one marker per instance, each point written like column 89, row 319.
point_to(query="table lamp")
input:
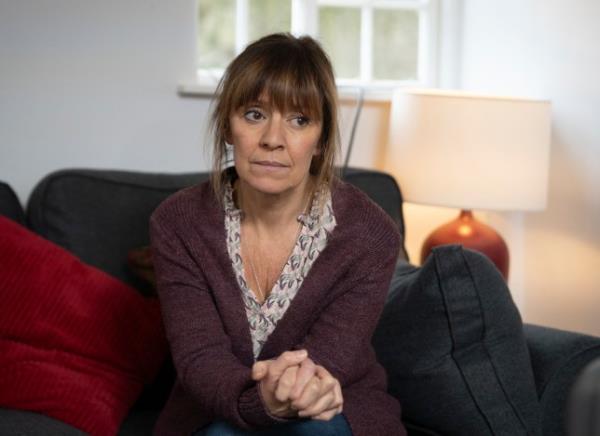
column 467, row 151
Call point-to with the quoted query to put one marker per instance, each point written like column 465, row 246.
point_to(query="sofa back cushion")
column 451, row 340
column 100, row 215
column 10, row 206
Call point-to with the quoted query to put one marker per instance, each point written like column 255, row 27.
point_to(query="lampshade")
column 470, row 151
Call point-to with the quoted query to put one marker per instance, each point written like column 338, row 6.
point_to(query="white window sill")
column 196, row 90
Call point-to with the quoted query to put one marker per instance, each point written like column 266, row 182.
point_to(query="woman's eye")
column 301, row 121
column 253, row 115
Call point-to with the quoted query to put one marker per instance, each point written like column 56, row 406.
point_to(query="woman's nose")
column 273, row 136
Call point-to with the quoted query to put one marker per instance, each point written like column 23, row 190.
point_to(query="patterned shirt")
column 312, row 239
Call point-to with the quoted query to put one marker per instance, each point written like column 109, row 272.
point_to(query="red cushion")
column 75, row 343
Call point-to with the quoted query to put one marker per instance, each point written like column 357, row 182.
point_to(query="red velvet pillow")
column 75, row 343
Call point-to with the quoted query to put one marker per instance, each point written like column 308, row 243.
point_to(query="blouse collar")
column 321, row 199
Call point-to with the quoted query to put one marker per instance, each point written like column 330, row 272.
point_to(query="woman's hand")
column 321, row 398
column 305, row 387
column 268, row 374
column 295, row 378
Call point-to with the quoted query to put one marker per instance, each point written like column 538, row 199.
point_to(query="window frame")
column 304, row 21
column 427, row 50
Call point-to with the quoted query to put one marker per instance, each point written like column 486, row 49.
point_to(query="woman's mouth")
column 270, row 164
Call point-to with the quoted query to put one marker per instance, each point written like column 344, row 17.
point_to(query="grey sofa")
column 99, row 215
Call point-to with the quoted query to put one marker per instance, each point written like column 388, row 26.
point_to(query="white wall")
column 93, row 84
column 549, row 48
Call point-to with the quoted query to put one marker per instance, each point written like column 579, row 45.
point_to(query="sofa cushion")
column 100, row 215
column 23, row 423
column 385, row 192
column 557, row 357
column 10, row 205
column 452, row 342
column 75, row 344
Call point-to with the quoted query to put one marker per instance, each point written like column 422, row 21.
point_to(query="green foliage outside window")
column 394, row 40
column 339, row 32
column 216, row 33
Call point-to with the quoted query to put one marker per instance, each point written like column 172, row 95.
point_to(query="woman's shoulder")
column 358, row 215
column 187, row 203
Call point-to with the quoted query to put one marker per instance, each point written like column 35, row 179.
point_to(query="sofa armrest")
column 557, row 357
column 584, row 402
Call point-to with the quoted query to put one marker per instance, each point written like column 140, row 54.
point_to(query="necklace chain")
column 262, row 294
column 260, row 291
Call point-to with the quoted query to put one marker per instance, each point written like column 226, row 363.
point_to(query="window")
column 370, row 42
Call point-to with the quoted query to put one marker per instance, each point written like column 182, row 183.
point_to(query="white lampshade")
column 470, row 151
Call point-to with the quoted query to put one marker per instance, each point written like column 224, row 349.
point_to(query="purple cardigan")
column 332, row 316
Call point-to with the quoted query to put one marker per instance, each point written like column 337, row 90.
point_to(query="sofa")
column 458, row 365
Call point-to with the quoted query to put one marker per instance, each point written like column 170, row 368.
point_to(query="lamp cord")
column 359, row 104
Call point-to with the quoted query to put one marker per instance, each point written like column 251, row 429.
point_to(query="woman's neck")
column 270, row 212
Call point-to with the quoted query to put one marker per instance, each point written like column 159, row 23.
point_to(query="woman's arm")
column 340, row 339
column 200, row 347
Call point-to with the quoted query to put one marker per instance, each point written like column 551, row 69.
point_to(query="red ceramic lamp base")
column 470, row 233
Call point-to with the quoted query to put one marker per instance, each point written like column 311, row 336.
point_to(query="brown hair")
column 295, row 73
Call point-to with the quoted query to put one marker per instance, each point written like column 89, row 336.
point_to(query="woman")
column 272, row 275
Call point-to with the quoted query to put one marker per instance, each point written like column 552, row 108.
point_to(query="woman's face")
column 273, row 150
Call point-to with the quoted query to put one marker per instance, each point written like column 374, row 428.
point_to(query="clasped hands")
column 293, row 385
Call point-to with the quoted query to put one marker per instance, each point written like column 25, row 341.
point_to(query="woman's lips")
column 270, row 164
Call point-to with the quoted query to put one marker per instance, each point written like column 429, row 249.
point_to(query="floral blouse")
column 312, row 239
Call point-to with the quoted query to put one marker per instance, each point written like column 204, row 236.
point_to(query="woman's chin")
column 270, row 188
column 270, row 185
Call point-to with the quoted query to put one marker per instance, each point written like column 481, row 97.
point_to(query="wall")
column 93, row 84
column 548, row 48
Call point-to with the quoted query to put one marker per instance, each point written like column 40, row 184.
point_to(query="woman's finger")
column 310, row 394
column 339, row 398
column 286, row 383
column 306, row 371
column 326, row 383
column 321, row 410
column 259, row 370
column 284, row 361
column 326, row 415
column 323, row 403
column 277, row 367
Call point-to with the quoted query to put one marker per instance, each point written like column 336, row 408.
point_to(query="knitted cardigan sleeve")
column 340, row 338
column 223, row 387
